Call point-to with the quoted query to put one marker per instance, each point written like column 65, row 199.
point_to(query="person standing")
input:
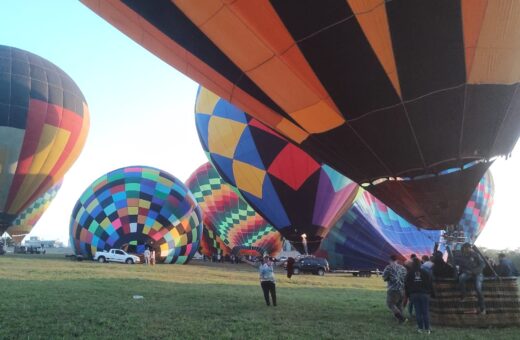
column 147, row 256
column 427, row 264
column 440, row 268
column 152, row 257
column 418, row 289
column 394, row 274
column 506, row 267
column 290, row 267
column 471, row 267
column 408, row 264
column 267, row 280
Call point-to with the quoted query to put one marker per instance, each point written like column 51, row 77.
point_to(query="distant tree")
column 514, row 255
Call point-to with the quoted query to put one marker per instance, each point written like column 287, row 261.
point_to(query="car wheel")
column 296, row 271
column 102, row 259
column 129, row 261
column 321, row 272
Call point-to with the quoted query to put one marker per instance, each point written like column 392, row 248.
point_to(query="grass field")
column 49, row 297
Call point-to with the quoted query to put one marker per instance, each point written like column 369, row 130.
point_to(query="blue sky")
column 142, row 109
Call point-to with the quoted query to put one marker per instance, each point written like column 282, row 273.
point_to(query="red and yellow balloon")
column 44, row 121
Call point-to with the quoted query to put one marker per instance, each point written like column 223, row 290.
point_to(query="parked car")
column 116, row 255
column 311, row 264
column 28, row 250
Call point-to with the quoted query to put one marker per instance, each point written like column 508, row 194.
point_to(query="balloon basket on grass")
column 501, row 296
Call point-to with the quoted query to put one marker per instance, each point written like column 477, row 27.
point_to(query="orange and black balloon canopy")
column 374, row 88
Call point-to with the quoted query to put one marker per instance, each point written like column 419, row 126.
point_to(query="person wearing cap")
column 471, row 266
column 267, row 280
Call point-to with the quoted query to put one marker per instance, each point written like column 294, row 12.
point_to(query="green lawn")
column 50, row 297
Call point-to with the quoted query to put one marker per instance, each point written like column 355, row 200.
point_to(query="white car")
column 116, row 255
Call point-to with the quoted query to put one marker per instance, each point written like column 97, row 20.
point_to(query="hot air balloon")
column 234, row 221
column 478, row 209
column 376, row 89
column 44, row 121
column 366, row 236
column 26, row 220
column 210, row 243
column 295, row 193
column 134, row 207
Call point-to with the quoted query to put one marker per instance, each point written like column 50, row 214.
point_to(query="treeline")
column 514, row 255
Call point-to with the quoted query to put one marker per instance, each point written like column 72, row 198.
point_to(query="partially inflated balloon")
column 135, row 207
column 290, row 189
column 376, row 89
column 27, row 219
column 366, row 236
column 370, row 232
column 44, row 122
column 234, row 221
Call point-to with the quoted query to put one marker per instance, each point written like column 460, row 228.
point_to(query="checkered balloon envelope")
column 137, row 207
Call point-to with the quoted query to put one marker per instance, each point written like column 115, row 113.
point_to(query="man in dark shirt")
column 441, row 269
column 505, row 266
column 418, row 288
column 471, row 266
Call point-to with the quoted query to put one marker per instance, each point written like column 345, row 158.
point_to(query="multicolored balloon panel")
column 478, row 210
column 210, row 242
column 137, row 206
column 44, row 122
column 290, row 189
column 229, row 216
column 366, row 236
column 376, row 89
column 370, row 232
column 28, row 218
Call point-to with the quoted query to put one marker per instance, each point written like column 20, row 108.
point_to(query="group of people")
column 149, row 256
column 216, row 257
column 411, row 283
column 414, row 284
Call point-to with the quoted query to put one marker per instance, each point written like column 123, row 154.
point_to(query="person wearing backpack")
column 418, row 288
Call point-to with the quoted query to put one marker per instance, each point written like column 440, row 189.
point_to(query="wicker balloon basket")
column 502, row 298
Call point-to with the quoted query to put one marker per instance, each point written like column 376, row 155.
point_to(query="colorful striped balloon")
column 44, row 121
column 366, row 236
